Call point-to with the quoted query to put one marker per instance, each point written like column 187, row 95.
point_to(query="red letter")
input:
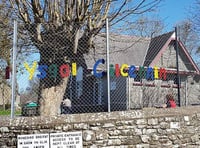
column 162, row 73
column 117, row 70
column 7, row 72
column 64, row 70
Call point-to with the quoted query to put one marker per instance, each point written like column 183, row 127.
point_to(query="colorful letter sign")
column 116, row 70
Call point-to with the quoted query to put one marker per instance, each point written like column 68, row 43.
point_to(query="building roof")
column 155, row 46
column 129, row 50
column 132, row 50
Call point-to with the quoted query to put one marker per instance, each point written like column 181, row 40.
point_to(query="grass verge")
column 8, row 112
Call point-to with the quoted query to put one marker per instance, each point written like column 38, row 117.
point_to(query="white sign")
column 174, row 125
column 33, row 141
column 65, row 140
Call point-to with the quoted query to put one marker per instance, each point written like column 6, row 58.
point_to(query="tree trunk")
column 51, row 99
column 52, row 88
column 57, row 48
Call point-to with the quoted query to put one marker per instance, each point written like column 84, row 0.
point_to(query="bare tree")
column 51, row 23
column 194, row 15
column 188, row 36
column 5, row 31
column 5, row 47
column 194, row 27
column 147, row 27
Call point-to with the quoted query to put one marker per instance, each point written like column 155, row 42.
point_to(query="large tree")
column 147, row 27
column 188, row 36
column 5, row 47
column 63, row 31
column 5, row 31
column 192, row 25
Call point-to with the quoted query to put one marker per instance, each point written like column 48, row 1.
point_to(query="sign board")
column 69, row 139
column 33, row 141
column 53, row 140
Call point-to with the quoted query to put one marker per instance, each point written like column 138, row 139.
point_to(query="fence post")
column 14, row 69
column 108, row 62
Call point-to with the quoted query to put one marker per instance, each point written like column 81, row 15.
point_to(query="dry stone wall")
column 147, row 128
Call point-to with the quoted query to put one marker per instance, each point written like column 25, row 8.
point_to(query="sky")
column 174, row 11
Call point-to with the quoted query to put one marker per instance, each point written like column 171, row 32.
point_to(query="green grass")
column 8, row 112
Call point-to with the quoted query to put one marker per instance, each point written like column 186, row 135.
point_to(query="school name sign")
column 125, row 70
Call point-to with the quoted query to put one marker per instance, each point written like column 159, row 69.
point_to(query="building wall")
column 168, row 59
column 193, row 90
column 118, row 93
column 150, row 93
column 179, row 127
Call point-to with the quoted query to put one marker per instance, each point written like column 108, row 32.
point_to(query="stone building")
column 138, row 90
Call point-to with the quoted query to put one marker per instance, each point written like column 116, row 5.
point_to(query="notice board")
column 51, row 140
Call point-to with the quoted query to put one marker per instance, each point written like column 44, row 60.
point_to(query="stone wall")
column 145, row 128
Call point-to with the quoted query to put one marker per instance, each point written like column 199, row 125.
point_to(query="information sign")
column 33, row 141
column 66, row 140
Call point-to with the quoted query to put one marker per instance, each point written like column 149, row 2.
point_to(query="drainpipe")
column 186, row 89
column 177, row 65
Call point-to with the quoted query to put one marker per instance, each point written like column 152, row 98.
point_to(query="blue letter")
column 150, row 74
column 42, row 71
column 100, row 74
column 131, row 71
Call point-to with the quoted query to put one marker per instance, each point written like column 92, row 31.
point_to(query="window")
column 79, row 82
column 97, row 92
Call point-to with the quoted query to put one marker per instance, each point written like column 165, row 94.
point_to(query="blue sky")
column 174, row 11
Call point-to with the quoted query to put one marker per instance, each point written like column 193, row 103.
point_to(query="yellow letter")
column 30, row 70
column 155, row 72
column 74, row 72
column 122, row 70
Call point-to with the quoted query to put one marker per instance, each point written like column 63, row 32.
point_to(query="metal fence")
column 57, row 71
